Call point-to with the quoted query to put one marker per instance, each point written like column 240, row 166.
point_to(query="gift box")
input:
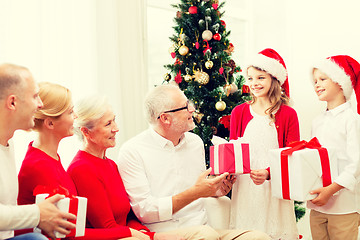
column 303, row 167
column 70, row 204
column 232, row 157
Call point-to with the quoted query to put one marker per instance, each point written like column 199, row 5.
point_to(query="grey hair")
column 159, row 100
column 11, row 78
column 89, row 110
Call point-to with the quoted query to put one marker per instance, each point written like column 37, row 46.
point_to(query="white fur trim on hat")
column 336, row 74
column 269, row 65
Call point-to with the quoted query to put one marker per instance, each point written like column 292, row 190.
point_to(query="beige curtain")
column 89, row 46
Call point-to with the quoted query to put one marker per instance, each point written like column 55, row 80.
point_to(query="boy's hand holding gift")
column 324, row 193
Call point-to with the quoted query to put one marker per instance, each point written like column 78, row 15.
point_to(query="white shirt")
column 13, row 217
column 153, row 170
column 339, row 128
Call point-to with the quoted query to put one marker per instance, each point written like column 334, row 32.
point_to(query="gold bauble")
column 188, row 77
column 220, row 105
column 207, row 35
column 198, row 116
column 167, row 77
column 183, row 50
column 209, row 64
column 201, row 77
column 227, row 89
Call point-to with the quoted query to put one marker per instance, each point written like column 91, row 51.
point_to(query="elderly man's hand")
column 208, row 187
column 52, row 219
column 226, row 186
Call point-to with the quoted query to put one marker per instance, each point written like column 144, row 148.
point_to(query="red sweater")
column 38, row 168
column 286, row 123
column 108, row 204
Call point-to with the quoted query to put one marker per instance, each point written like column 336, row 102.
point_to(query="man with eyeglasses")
column 163, row 170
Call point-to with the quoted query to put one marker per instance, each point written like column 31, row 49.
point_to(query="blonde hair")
column 276, row 96
column 88, row 111
column 56, row 99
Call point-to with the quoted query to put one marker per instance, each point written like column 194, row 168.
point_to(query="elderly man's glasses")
column 187, row 107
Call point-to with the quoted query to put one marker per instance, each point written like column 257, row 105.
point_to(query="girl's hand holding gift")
column 259, row 176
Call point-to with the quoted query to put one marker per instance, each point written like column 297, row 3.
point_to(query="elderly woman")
column 97, row 177
column 42, row 164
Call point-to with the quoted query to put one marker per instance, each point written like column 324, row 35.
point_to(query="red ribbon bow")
column 295, row 146
column 40, row 189
column 74, row 201
column 207, row 47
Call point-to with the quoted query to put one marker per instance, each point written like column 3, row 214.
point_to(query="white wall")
column 304, row 32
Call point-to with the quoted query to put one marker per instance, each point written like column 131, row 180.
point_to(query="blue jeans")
column 29, row 236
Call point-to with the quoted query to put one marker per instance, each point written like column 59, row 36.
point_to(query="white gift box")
column 64, row 206
column 304, row 172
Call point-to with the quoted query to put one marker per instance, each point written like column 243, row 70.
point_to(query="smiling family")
column 157, row 187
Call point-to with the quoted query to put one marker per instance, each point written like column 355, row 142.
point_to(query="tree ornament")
column 230, row 49
column 215, row 6
column 178, row 78
column 209, row 64
column 233, row 88
column 198, row 116
column 214, row 130
column 227, row 89
column 167, row 77
column 197, row 45
column 221, row 70
column 220, row 106
column 223, row 23
column 188, row 78
column 178, row 14
column 193, row 10
column 183, row 50
column 207, row 35
column 217, row 37
column 201, row 23
column 201, row 77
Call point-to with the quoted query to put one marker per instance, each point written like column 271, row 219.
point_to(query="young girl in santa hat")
column 266, row 122
column 337, row 216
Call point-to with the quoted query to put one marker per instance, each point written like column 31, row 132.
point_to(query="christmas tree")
column 204, row 70
column 203, row 67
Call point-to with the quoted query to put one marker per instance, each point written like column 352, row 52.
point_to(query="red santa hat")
column 345, row 71
column 271, row 62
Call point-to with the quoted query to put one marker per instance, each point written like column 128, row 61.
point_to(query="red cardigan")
column 108, row 204
column 38, row 168
column 286, row 123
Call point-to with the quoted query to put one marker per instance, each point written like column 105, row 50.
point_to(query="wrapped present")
column 71, row 204
column 303, row 167
column 232, row 157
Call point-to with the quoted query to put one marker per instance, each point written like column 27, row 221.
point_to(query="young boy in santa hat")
column 337, row 216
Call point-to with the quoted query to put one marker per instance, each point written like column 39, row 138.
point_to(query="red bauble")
column 221, row 70
column 197, row 45
column 193, row 10
column 217, row 37
column 223, row 23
